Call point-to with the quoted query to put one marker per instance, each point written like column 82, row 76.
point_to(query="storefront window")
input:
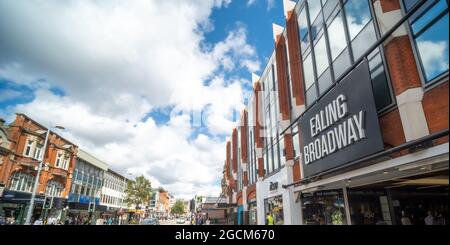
column 274, row 210
column 369, row 207
column 323, row 208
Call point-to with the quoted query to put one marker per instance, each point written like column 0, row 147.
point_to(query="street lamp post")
column 36, row 181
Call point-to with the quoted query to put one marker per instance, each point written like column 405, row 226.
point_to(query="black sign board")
column 273, row 186
column 343, row 126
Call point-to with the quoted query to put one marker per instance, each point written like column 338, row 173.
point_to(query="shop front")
column 405, row 193
column 323, row 208
column 274, row 210
column 14, row 206
column 352, row 177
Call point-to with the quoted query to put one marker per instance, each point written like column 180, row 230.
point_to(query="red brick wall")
column 402, row 64
column 389, row 5
column 435, row 106
column 234, row 150
column 244, row 125
column 251, row 192
column 296, row 170
column 281, row 62
column 392, row 129
column 295, row 59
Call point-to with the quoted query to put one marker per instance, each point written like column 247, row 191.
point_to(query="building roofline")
column 42, row 126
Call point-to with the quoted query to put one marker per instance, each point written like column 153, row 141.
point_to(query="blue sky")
column 125, row 83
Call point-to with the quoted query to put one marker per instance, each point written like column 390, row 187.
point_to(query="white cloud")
column 118, row 60
column 433, row 55
column 250, row 2
column 163, row 153
column 270, row 4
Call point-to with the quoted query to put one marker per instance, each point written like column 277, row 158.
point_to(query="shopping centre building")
column 348, row 122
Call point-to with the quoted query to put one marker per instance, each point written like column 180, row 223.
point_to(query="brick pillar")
column 403, row 70
column 234, row 152
column 296, row 65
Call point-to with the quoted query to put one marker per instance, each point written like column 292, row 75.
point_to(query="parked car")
column 150, row 221
column 181, row 220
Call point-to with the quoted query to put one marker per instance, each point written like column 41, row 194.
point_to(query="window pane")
column 381, row 89
column 364, row 40
column 433, row 50
column 302, row 24
column 321, row 54
column 325, row 81
column 316, row 27
column 336, row 33
column 358, row 15
column 429, row 16
column 311, row 95
column 308, row 72
column 314, row 9
column 296, row 141
column 341, row 64
column 329, row 6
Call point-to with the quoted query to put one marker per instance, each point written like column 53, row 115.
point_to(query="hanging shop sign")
column 343, row 126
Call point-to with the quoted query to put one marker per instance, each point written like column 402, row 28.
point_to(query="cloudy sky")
column 148, row 86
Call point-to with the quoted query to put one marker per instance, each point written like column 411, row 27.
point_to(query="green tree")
column 178, row 207
column 138, row 191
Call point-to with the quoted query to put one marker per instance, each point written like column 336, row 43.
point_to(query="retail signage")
column 273, row 186
column 343, row 126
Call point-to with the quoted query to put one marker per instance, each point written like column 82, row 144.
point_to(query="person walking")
column 429, row 220
column 208, row 221
column 269, row 219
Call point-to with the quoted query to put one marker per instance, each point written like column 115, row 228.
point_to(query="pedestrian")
column 269, row 219
column 429, row 220
column 405, row 219
column 208, row 221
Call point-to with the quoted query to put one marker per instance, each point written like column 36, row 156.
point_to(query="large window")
column 272, row 148
column 340, row 32
column 22, row 182
column 274, row 210
column 430, row 32
column 54, row 189
column 323, row 208
column 28, row 148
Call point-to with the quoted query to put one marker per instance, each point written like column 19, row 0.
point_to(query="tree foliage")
column 178, row 207
column 138, row 191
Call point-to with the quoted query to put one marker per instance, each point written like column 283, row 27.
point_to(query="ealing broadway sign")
column 342, row 126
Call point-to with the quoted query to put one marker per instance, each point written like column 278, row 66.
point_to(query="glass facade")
column 340, row 32
column 252, row 161
column 87, row 182
column 272, row 151
column 429, row 28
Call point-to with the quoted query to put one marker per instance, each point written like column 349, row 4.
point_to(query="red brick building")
column 348, row 122
column 19, row 168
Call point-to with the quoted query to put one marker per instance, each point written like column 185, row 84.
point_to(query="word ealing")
column 336, row 138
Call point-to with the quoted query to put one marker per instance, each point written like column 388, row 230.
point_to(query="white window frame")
column 65, row 163
column 38, row 152
column 58, row 161
column 28, row 148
